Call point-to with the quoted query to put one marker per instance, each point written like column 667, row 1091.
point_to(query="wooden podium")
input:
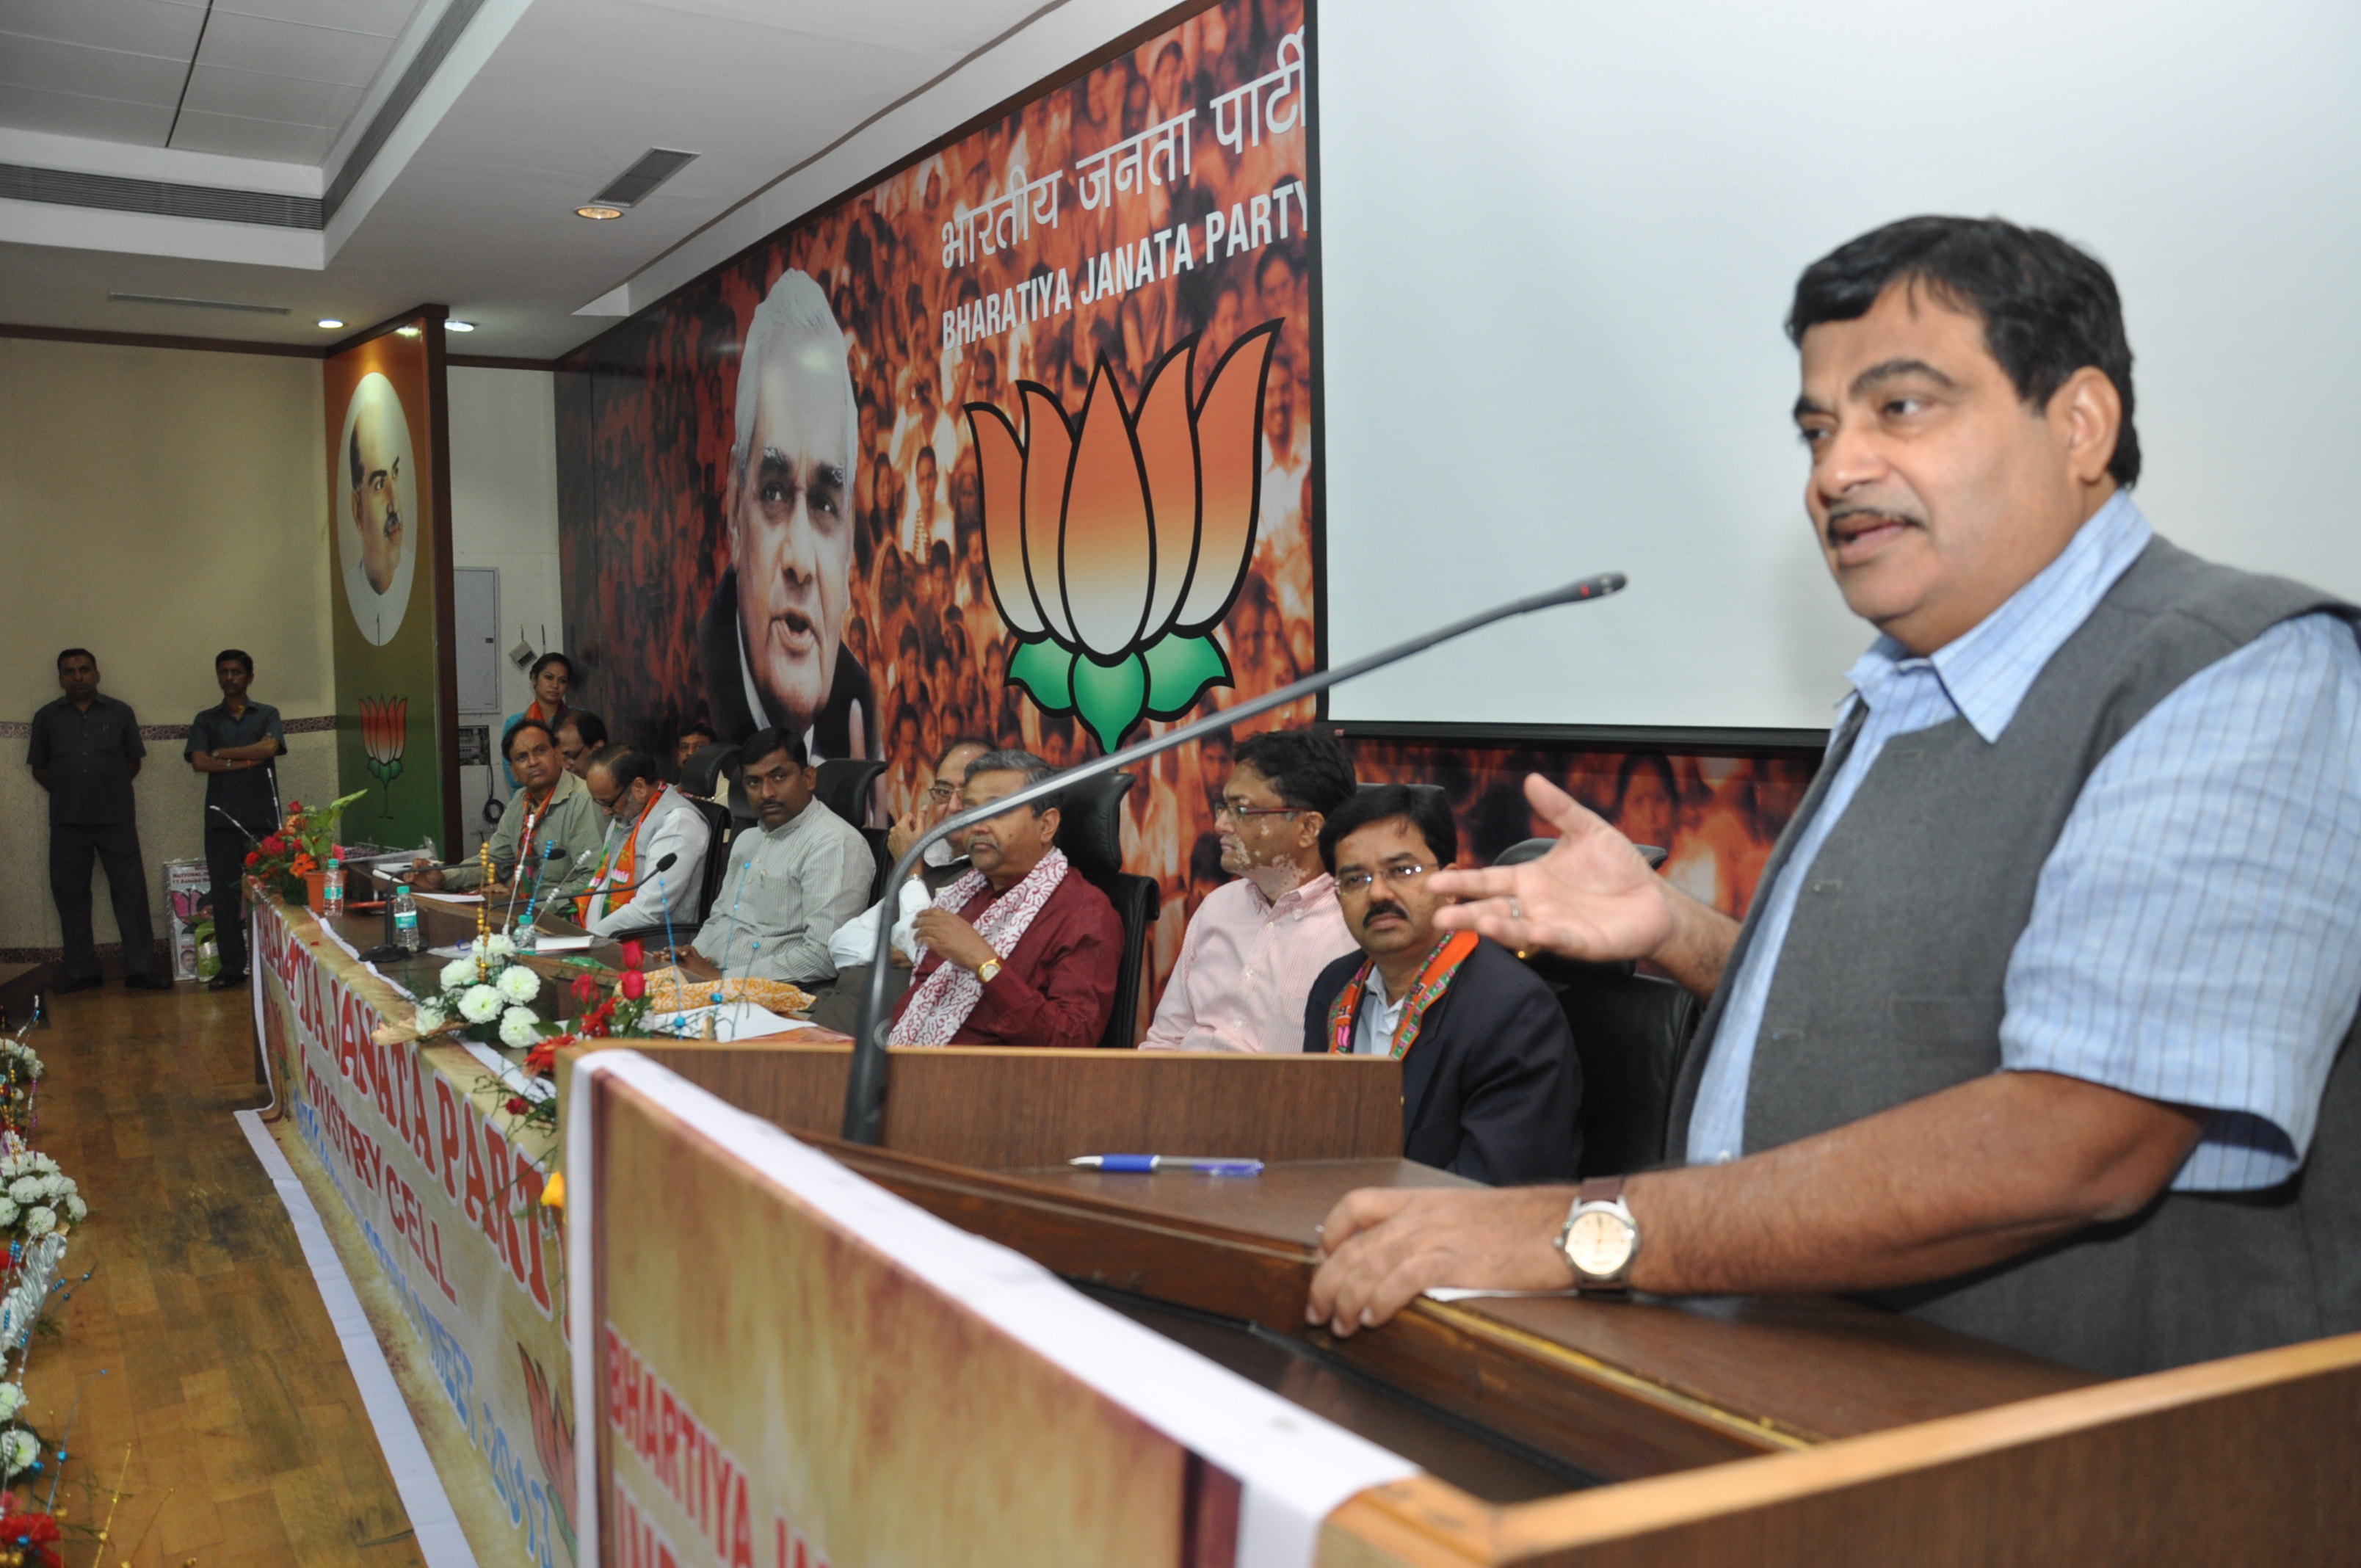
column 1562, row 1431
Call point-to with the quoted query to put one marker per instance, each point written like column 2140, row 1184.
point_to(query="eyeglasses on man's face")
column 1239, row 812
column 1359, row 880
column 941, row 790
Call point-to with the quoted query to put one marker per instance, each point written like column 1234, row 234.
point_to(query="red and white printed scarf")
column 945, row 997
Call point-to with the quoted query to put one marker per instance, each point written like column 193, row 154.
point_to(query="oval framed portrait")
column 377, row 512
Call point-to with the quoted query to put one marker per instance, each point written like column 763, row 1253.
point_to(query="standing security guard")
column 236, row 745
column 85, row 752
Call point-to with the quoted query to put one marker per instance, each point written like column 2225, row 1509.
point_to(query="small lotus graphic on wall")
column 385, row 732
column 1116, row 542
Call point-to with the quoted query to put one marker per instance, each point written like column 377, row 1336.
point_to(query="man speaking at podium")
column 2037, row 1026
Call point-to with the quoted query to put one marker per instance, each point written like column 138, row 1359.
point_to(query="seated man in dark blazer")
column 1490, row 1080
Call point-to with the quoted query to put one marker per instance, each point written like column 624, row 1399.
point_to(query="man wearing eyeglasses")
column 1489, row 1080
column 648, row 823
column 1255, row 944
column 838, row 1004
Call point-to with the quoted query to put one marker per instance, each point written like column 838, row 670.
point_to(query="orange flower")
column 1114, row 543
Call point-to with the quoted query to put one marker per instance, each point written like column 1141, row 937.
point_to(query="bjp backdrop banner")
column 1014, row 442
column 778, row 1363
column 390, row 552
column 443, row 1187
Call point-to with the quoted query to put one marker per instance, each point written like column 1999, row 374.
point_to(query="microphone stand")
column 864, row 1090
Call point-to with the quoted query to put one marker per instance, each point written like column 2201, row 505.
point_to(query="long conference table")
column 1552, row 1429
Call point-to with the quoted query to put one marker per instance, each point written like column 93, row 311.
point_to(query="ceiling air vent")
column 632, row 186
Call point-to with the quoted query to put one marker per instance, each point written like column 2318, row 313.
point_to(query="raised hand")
column 1591, row 897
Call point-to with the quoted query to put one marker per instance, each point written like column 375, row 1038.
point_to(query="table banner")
column 445, row 1190
column 781, row 1365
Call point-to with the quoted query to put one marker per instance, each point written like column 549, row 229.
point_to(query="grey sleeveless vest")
column 1889, row 988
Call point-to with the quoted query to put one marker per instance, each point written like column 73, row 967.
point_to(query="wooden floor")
column 225, row 1415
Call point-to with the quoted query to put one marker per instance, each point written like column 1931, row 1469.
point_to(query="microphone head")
column 555, row 853
column 666, row 863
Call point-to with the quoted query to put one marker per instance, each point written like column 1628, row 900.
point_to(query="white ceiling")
column 266, row 78
column 479, row 213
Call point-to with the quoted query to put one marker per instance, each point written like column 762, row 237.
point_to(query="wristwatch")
column 1600, row 1238
column 984, row 972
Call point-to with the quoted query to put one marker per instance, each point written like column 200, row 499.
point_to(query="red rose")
column 295, row 808
column 519, row 1105
column 585, row 988
column 635, row 984
column 634, row 954
column 254, row 857
column 275, row 845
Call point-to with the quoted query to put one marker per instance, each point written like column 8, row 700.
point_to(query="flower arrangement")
column 301, row 844
column 486, row 996
column 36, row 1197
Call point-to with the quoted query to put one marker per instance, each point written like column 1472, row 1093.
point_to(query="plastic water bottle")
column 405, row 920
column 332, row 888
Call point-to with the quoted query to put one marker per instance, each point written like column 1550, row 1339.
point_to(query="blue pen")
column 1152, row 1162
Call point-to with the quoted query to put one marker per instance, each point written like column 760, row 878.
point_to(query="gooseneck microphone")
column 864, row 1090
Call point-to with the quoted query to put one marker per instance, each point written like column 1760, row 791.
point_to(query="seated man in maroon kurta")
column 1022, row 950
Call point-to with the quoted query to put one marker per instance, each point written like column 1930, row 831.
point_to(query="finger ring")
column 1514, row 911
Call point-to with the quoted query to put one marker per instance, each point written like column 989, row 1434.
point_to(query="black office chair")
column 884, row 859
column 846, row 788
column 1631, row 1031
column 707, row 768
column 1089, row 830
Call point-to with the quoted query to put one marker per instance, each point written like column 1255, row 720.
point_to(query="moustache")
column 392, row 522
column 1370, row 916
column 1840, row 526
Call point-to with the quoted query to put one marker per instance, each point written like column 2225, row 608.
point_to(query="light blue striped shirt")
column 2196, row 931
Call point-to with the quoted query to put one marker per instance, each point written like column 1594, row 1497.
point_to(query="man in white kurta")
column 795, row 876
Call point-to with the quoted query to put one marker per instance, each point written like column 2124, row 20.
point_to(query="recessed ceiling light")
column 459, row 326
column 331, row 323
column 599, row 213
column 406, row 332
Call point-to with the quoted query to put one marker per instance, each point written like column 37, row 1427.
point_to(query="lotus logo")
column 385, row 732
column 1117, row 542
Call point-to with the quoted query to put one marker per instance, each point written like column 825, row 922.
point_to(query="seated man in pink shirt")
column 1256, row 944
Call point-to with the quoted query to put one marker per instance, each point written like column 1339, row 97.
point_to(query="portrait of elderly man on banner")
column 771, row 641
column 375, row 528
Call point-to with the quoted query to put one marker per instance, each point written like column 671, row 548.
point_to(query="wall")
column 504, row 515
column 156, row 505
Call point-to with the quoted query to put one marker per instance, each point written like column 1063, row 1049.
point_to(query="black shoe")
column 91, row 982
column 147, row 983
column 225, row 982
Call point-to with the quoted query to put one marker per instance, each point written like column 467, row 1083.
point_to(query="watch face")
column 1599, row 1243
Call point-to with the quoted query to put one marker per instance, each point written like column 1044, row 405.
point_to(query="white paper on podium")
column 1293, row 1468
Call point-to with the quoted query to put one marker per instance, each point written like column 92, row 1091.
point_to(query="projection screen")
column 1556, row 243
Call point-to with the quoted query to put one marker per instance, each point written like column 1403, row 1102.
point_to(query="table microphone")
column 864, row 1090
column 516, row 886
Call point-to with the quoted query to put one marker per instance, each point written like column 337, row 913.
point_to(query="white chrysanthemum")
column 76, row 1210
column 25, row 1189
column 42, row 1162
column 479, row 1005
column 518, row 983
column 495, row 946
column 52, row 1188
column 518, row 1028
column 18, row 1450
column 9, row 1213
column 12, row 1399
column 431, row 1017
column 458, row 974
column 40, row 1220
